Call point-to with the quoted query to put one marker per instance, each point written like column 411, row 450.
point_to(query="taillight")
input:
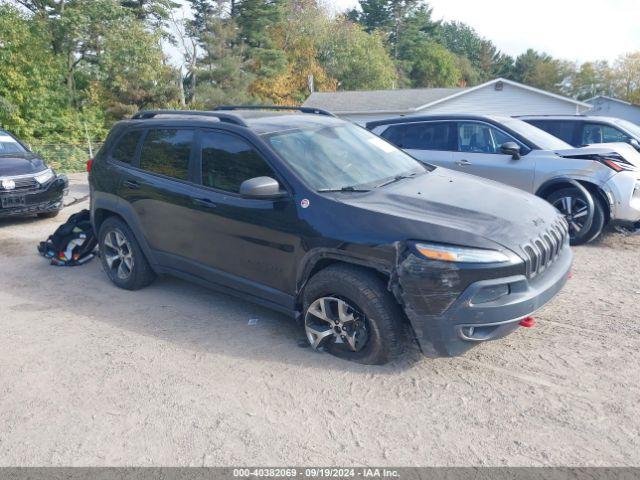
column 89, row 165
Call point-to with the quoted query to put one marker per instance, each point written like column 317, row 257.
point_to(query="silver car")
column 591, row 186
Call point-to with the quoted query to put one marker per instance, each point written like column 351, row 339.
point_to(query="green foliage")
column 68, row 69
column 541, row 70
column 357, row 60
column 435, row 66
column 482, row 55
column 222, row 71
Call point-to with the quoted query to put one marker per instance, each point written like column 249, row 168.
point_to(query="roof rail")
column 552, row 115
column 312, row 110
column 145, row 114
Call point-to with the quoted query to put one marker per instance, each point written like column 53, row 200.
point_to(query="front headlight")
column 636, row 190
column 448, row 253
column 44, row 177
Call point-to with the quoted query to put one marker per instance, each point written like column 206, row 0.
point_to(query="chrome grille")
column 542, row 251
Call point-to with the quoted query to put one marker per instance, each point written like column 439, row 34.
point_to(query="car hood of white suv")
column 626, row 151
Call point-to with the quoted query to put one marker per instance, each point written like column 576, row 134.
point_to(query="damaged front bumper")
column 453, row 307
column 34, row 198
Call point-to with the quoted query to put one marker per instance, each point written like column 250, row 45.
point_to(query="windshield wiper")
column 395, row 179
column 349, row 188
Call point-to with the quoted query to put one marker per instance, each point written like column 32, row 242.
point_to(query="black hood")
column 20, row 164
column 451, row 207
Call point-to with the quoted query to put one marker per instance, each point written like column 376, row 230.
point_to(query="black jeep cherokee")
column 320, row 219
column 27, row 185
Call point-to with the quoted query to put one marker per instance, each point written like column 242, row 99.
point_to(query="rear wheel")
column 349, row 313
column 121, row 256
column 572, row 204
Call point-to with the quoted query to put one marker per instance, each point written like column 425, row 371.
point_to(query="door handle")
column 133, row 185
column 463, row 162
column 204, row 202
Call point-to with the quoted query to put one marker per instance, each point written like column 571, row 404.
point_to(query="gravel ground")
column 91, row 375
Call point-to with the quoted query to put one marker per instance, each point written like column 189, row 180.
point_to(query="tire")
column 123, row 261
column 578, row 237
column 52, row 214
column 369, row 303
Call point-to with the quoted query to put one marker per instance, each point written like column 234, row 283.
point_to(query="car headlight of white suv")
column 44, row 176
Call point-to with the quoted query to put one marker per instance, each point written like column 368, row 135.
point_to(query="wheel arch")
column 106, row 208
column 594, row 190
column 316, row 261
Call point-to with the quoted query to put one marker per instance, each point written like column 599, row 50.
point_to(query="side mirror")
column 511, row 148
column 261, row 187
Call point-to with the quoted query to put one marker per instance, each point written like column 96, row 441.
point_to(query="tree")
column 403, row 22
column 373, row 15
column 152, row 12
column 626, row 71
column 223, row 74
column 435, row 66
column 257, row 21
column 541, row 70
column 590, row 79
column 356, row 59
column 34, row 103
column 487, row 61
column 300, row 38
column 131, row 70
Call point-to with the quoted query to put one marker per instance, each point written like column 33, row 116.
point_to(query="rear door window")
column 422, row 136
column 125, row 150
column 166, row 151
column 228, row 160
column 600, row 133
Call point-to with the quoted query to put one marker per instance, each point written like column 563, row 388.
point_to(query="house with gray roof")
column 614, row 107
column 496, row 97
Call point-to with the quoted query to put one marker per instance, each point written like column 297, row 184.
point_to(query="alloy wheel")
column 118, row 254
column 576, row 212
column 333, row 320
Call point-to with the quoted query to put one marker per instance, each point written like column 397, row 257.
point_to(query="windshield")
column 630, row 127
column 342, row 157
column 8, row 144
column 544, row 140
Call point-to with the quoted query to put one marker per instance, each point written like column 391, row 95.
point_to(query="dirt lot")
column 175, row 375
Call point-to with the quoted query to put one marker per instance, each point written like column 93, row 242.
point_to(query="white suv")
column 591, row 185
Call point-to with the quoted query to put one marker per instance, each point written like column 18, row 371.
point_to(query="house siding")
column 605, row 107
column 511, row 100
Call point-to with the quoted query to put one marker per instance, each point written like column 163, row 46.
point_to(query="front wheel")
column 349, row 313
column 572, row 204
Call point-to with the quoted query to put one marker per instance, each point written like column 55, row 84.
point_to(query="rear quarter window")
column 564, row 130
column 125, row 148
column 422, row 136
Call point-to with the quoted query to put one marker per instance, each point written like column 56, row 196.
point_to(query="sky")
column 577, row 30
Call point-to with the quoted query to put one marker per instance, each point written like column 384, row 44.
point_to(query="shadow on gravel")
column 175, row 311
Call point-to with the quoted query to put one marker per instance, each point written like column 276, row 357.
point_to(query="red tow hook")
column 528, row 322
